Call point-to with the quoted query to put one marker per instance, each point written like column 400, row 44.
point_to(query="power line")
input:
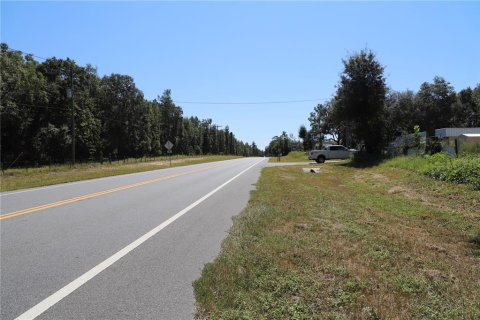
column 26, row 53
column 245, row 103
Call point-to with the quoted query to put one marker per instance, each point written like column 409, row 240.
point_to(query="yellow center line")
column 97, row 194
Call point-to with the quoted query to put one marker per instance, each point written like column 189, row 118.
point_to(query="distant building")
column 451, row 140
column 468, row 142
column 448, row 137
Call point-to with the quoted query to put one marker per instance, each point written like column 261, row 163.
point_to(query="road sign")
column 169, row 145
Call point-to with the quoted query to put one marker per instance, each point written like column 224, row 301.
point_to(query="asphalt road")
column 124, row 247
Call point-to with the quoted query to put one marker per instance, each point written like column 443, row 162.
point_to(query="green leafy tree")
column 359, row 101
column 122, row 114
column 466, row 108
column 434, row 103
column 323, row 123
column 400, row 114
column 64, row 75
column 154, row 124
column 256, row 152
column 111, row 116
column 171, row 119
column 87, row 115
column 279, row 145
column 23, row 96
column 303, row 134
column 52, row 143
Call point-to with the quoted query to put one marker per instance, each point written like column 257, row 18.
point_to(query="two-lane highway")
column 123, row 247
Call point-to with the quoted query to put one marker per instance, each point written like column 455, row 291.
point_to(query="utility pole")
column 70, row 95
column 217, row 145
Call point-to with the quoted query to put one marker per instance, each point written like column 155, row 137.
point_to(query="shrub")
column 464, row 169
column 434, row 145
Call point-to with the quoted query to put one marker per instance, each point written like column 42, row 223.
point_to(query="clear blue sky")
column 252, row 51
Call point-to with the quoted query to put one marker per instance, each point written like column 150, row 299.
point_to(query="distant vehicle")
column 330, row 152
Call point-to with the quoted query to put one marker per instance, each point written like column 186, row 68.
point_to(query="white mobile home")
column 468, row 142
column 449, row 137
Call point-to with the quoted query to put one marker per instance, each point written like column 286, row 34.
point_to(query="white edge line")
column 48, row 302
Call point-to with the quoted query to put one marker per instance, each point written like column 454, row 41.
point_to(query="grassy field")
column 294, row 156
column 348, row 243
column 14, row 179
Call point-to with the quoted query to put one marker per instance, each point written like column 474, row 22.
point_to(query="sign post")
column 169, row 147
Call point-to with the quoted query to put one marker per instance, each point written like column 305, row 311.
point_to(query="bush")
column 434, row 145
column 464, row 169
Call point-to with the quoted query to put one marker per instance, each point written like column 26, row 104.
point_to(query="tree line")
column 365, row 112
column 46, row 107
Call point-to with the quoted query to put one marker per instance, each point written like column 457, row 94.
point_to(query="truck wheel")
column 320, row 159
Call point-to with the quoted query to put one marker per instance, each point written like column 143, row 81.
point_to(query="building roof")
column 454, row 132
column 470, row 135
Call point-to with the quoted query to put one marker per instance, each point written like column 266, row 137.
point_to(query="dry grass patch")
column 348, row 243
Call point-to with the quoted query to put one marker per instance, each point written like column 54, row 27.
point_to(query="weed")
column 406, row 283
column 464, row 169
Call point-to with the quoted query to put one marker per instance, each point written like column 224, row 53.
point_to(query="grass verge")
column 294, row 156
column 348, row 243
column 13, row 179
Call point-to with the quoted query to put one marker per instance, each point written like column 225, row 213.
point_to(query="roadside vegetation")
column 294, row 156
column 377, row 242
column 14, row 179
column 464, row 169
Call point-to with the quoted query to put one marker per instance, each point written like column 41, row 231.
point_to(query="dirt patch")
column 358, row 177
column 437, row 275
column 367, row 177
column 396, row 189
column 410, row 194
column 288, row 177
column 380, row 177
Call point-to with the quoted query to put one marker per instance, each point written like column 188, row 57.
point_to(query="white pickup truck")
column 330, row 152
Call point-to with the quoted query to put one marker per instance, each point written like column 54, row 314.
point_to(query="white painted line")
column 47, row 303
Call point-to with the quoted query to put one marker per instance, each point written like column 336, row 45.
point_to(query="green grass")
column 13, row 179
column 294, row 156
column 348, row 243
column 464, row 169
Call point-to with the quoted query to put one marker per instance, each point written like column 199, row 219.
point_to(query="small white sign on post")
column 169, row 147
